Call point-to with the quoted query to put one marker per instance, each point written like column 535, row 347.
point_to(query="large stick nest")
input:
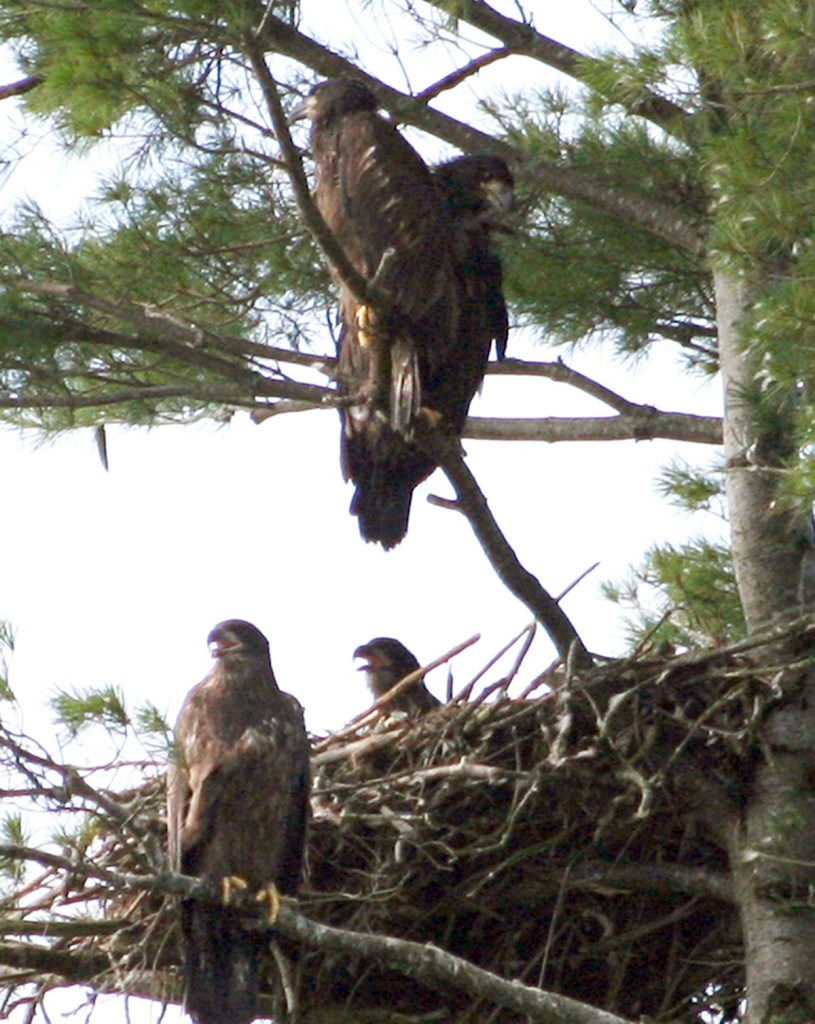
column 568, row 841
column 576, row 841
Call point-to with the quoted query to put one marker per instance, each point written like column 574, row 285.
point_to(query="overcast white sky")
column 117, row 577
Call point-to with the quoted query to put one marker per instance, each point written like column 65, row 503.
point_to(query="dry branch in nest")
column 575, row 842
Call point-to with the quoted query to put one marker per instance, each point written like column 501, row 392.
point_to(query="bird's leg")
column 229, row 885
column 270, row 894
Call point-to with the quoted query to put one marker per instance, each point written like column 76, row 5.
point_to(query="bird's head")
column 237, row 638
column 498, row 187
column 334, row 98
column 479, row 185
column 386, row 660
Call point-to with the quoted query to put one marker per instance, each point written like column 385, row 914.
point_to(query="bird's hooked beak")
column 500, row 196
column 368, row 660
column 304, row 109
column 218, row 648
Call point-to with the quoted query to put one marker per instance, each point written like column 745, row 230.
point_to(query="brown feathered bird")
column 386, row 662
column 400, row 228
column 377, row 196
column 478, row 192
column 237, row 810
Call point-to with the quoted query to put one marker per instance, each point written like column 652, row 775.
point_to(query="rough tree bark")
column 773, row 835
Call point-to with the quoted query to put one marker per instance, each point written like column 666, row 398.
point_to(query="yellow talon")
column 364, row 318
column 228, row 886
column 269, row 894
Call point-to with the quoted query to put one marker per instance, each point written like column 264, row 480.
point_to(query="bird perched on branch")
column 478, row 191
column 387, row 662
column 237, row 813
column 415, row 347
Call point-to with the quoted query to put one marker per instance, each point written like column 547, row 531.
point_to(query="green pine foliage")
column 80, row 708
column 14, row 833
column 153, row 730
column 685, row 596
column 109, row 60
column 213, row 244
column 197, row 228
column 219, row 243
column 692, row 489
column 577, row 274
column 680, row 598
column 6, row 650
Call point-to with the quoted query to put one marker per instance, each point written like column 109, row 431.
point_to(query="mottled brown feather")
column 237, row 807
column 398, row 227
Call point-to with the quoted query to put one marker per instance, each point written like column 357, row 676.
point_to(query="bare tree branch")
column 527, row 588
column 648, row 426
column 20, row 87
column 460, row 75
column 557, row 370
column 439, row 969
column 521, row 37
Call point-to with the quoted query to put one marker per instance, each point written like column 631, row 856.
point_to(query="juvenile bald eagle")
column 237, row 809
column 397, row 226
column 386, row 662
column 478, row 192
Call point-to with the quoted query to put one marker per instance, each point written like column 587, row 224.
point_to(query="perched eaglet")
column 387, row 662
column 237, row 812
column 478, row 192
column 427, row 252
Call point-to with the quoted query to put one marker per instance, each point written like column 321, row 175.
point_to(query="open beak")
column 368, row 660
column 219, row 647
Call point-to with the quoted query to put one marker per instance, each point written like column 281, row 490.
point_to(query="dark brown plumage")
column 478, row 192
column 398, row 226
column 387, row 661
column 237, row 808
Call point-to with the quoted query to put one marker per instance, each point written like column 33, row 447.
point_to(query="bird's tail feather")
column 222, row 966
column 383, row 512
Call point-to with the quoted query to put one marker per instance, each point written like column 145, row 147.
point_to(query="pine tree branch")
column 69, row 965
column 20, row 87
column 158, row 393
column 649, row 425
column 160, row 332
column 455, row 78
column 438, row 969
column 521, row 37
column 667, row 878
column 636, row 422
column 277, row 36
column 558, row 371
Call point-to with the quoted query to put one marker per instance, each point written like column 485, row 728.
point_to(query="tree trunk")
column 771, row 546
column 773, row 840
